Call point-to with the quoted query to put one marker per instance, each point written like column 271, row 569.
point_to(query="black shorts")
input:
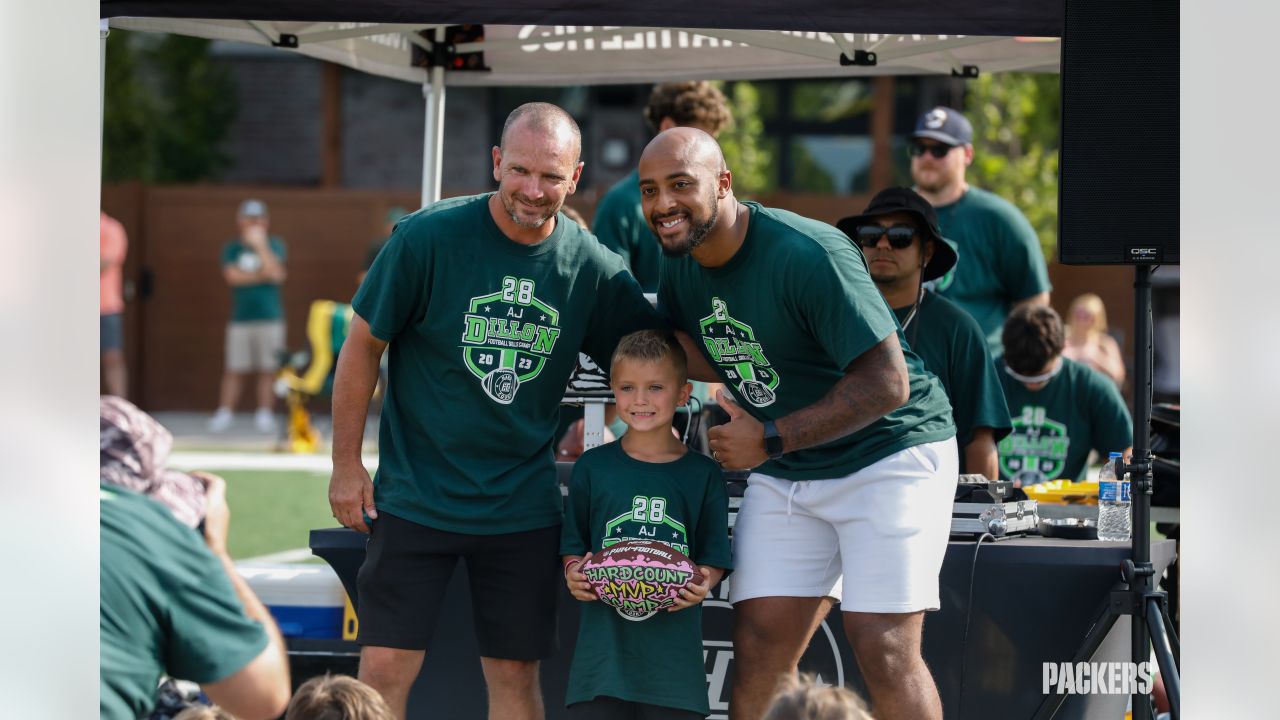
column 609, row 708
column 514, row 580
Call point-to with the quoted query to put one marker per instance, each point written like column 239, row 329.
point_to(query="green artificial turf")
column 274, row 510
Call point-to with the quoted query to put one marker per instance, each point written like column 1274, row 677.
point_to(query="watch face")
column 773, row 446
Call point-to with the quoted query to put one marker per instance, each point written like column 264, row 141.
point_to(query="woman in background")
column 1087, row 340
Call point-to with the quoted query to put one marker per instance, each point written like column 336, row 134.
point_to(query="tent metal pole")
column 104, row 29
column 433, row 142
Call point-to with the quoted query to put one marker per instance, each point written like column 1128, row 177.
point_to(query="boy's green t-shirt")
column 953, row 348
column 780, row 322
column 483, row 334
column 1054, row 428
column 259, row 302
column 613, row 498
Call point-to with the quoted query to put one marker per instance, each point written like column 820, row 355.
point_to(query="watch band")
column 772, row 440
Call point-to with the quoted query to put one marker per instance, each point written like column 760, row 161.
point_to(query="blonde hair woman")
column 1087, row 340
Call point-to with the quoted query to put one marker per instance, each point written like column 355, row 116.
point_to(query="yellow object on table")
column 1064, row 492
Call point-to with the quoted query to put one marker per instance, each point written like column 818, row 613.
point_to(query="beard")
column 509, row 204
column 936, row 179
column 696, row 236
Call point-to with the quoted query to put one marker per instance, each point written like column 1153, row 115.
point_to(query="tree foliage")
column 168, row 109
column 743, row 141
column 1016, row 119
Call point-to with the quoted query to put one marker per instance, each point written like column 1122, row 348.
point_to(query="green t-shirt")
column 165, row 606
column 952, row 347
column 782, row 320
column 260, row 301
column 612, row 498
column 1000, row 261
column 1055, row 427
column 483, row 334
column 619, row 224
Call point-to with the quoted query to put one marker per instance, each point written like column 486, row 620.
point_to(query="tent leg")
column 433, row 141
column 103, row 30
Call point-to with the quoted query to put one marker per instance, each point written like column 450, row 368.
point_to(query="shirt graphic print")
column 507, row 337
column 1036, row 450
column 732, row 345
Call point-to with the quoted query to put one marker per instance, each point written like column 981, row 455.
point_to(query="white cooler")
column 306, row 599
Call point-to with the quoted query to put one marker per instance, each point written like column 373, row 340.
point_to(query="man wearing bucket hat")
column 1000, row 264
column 899, row 236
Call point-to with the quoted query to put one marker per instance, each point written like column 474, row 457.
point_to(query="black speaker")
column 1118, row 169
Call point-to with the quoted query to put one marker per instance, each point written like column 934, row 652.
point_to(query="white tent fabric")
column 585, row 55
column 560, row 55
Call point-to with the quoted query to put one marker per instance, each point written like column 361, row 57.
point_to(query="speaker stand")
column 1152, row 628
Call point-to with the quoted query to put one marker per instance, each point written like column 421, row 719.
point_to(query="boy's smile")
column 647, row 393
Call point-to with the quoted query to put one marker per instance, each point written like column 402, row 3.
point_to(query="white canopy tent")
column 517, row 55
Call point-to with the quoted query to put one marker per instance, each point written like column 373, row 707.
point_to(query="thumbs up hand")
column 739, row 443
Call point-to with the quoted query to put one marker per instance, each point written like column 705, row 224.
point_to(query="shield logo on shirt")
column 507, row 337
column 739, row 359
column 1036, row 450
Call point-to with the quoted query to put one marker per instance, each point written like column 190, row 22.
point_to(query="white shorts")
column 254, row 345
column 884, row 529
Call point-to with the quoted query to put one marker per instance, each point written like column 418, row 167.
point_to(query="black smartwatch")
column 772, row 440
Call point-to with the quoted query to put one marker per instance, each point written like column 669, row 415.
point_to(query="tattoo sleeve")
column 874, row 385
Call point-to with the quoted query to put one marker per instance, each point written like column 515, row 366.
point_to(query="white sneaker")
column 221, row 420
column 264, row 420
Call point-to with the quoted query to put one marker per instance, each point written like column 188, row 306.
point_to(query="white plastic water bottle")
column 1114, row 519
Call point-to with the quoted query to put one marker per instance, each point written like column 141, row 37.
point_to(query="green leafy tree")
column 127, row 112
column 168, row 109
column 1016, row 118
column 746, row 149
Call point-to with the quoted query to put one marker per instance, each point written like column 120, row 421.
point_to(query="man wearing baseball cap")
column 904, row 249
column 253, row 267
column 1000, row 262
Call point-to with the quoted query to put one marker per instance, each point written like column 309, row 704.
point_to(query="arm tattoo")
column 874, row 385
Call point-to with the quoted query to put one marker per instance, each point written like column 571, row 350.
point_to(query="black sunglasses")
column 900, row 236
column 938, row 151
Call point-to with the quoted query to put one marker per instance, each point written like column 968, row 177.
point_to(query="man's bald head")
column 547, row 118
column 683, row 181
column 692, row 147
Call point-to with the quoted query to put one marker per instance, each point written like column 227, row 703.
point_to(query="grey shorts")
column 111, row 332
column 254, row 345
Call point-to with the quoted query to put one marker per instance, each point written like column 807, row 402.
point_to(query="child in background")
column 337, row 697
column 802, row 698
column 647, row 486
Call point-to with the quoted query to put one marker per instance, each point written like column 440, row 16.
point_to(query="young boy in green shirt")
column 646, row 486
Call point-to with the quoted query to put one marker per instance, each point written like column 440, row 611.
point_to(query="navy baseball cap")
column 944, row 125
column 906, row 200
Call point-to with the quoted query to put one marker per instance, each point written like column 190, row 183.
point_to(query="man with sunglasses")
column 899, row 236
column 849, row 438
column 1001, row 264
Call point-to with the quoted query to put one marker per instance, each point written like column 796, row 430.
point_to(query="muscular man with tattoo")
column 850, row 438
